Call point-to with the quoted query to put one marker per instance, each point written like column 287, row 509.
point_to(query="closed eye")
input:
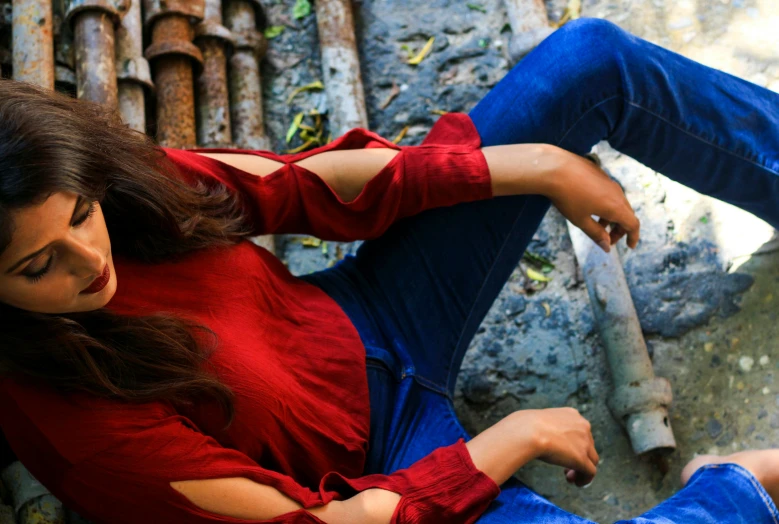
column 35, row 277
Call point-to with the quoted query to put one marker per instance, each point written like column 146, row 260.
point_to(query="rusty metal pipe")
column 213, row 99
column 640, row 400
column 244, row 74
column 32, row 502
column 132, row 69
column 341, row 66
column 94, row 41
column 172, row 55
column 33, row 42
column 64, row 60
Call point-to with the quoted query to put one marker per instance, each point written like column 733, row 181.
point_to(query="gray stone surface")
column 705, row 297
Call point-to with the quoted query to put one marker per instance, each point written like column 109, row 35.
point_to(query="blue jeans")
column 417, row 294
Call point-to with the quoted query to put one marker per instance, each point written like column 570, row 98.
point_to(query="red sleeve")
column 114, row 461
column 448, row 168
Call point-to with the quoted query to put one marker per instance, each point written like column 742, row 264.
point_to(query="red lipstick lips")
column 99, row 283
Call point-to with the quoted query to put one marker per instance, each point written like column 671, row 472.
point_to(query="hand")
column 580, row 189
column 564, row 439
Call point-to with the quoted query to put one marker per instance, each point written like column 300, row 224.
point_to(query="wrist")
column 527, row 433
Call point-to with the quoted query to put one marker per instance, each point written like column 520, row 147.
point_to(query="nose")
column 87, row 260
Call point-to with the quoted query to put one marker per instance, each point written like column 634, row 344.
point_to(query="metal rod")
column 529, row 26
column 94, row 40
column 213, row 99
column 172, row 55
column 640, row 400
column 341, row 66
column 33, row 42
column 32, row 502
column 245, row 81
column 133, row 72
column 64, row 59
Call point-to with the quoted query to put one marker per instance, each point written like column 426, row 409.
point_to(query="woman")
column 175, row 372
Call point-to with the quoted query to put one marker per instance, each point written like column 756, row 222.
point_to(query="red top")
column 287, row 350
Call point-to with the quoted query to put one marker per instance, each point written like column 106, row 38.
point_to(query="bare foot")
column 763, row 464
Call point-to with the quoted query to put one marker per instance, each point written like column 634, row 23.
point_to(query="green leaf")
column 704, row 220
column 302, row 8
column 293, row 128
column 484, row 42
column 476, row 7
column 544, row 264
column 273, row 31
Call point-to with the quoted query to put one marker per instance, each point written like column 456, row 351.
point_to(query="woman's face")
column 74, row 250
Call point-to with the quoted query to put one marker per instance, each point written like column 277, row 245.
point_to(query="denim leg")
column 428, row 282
column 715, row 494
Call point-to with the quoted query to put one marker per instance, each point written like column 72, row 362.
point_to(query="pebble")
column 680, row 23
column 764, row 360
column 766, row 390
column 746, row 363
column 713, row 428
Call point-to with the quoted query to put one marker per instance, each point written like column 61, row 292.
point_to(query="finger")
column 570, row 475
column 596, row 232
column 593, row 454
column 616, row 233
column 583, row 479
column 629, row 222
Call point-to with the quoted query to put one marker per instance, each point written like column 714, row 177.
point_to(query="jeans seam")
column 612, row 97
column 481, row 289
column 704, row 140
column 431, row 385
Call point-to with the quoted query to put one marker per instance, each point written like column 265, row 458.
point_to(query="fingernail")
column 605, row 246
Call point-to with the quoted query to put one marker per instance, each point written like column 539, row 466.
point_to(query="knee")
column 593, row 34
column 588, row 48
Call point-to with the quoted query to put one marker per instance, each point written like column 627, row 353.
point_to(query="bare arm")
column 559, row 436
column 577, row 187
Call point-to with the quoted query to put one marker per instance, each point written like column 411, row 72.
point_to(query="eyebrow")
column 41, row 250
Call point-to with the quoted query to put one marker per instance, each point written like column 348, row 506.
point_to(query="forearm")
column 521, row 169
column 515, row 169
column 372, row 506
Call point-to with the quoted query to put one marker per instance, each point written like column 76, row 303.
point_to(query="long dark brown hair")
column 50, row 142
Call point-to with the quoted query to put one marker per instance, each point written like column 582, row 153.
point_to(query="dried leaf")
column 400, row 135
column 302, row 8
column 421, row 55
column 293, row 128
column 273, row 31
column 438, row 112
column 572, row 11
column 308, row 87
column 306, row 145
column 547, row 308
column 395, row 91
column 538, row 277
column 324, row 248
column 311, row 241
column 476, row 7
